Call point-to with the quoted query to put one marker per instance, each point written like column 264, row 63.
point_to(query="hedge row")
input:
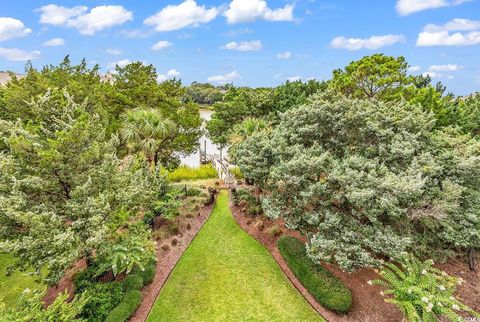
column 320, row 283
column 132, row 284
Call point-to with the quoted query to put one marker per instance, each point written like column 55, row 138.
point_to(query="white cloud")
column 432, row 75
column 251, row 10
column 224, row 79
column 114, row 51
column 413, row 69
column 12, row 28
column 253, row 45
column 445, row 68
column 294, row 78
column 457, row 32
column 54, row 42
column 162, row 44
column 57, row 15
column 285, row 55
column 120, row 63
column 444, row 38
column 97, row 19
column 406, row 7
column 15, row 54
column 188, row 13
column 373, row 42
column 172, row 73
column 454, row 24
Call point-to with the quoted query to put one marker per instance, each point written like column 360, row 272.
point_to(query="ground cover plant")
column 226, row 275
column 319, row 282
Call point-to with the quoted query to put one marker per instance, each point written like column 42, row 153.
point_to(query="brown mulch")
column 167, row 259
column 65, row 284
column 368, row 305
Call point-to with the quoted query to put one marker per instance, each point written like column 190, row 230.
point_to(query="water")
column 193, row 160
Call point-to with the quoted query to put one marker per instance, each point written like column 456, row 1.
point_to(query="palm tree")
column 147, row 132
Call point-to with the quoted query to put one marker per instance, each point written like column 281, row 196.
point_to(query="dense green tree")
column 262, row 103
column 156, row 121
column 61, row 186
column 366, row 179
column 386, row 78
column 205, row 93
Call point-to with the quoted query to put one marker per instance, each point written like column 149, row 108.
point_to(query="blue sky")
column 249, row 42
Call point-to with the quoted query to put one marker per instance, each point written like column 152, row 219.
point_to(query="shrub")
column 126, row 308
column 237, row 173
column 206, row 171
column 132, row 282
column 102, row 298
column 84, row 279
column 320, row 283
column 422, row 292
column 148, row 274
column 253, row 204
column 274, row 231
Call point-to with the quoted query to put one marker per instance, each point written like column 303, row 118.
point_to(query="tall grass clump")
column 205, row 171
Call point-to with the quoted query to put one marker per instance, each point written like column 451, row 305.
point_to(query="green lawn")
column 226, row 275
column 11, row 287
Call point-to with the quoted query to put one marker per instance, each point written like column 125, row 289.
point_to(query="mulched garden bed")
column 368, row 305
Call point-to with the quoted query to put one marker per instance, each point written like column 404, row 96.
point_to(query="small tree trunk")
column 471, row 258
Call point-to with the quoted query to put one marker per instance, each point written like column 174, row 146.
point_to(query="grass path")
column 226, row 275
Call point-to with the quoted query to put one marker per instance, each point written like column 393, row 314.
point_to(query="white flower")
column 428, row 309
column 430, row 306
column 370, row 282
column 425, row 299
column 452, row 298
column 442, row 288
column 460, row 280
column 424, row 272
column 444, row 274
column 381, row 293
column 455, row 307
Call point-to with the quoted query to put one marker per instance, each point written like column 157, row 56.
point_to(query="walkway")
column 226, row 275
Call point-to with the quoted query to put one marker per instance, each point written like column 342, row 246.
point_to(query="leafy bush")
column 253, row 204
column 132, row 282
column 126, row 308
column 102, row 298
column 148, row 274
column 168, row 206
column 422, row 292
column 206, row 171
column 320, row 283
column 32, row 309
column 132, row 249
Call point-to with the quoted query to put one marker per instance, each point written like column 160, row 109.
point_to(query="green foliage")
column 365, row 179
column 129, row 250
column 33, row 310
column 252, row 203
column 240, row 104
column 102, row 298
column 237, row 173
column 385, row 78
column 168, row 206
column 126, row 308
column 148, row 274
column 132, row 282
column 324, row 287
column 182, row 173
column 204, row 93
column 422, row 292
